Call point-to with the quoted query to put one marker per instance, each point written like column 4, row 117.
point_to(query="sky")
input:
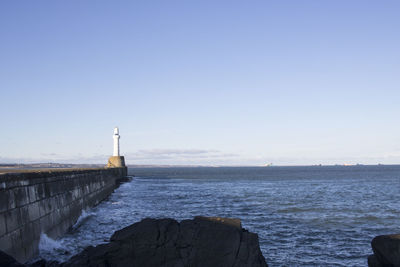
column 297, row 82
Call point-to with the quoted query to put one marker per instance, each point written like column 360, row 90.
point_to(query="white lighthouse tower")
column 116, row 142
column 116, row 160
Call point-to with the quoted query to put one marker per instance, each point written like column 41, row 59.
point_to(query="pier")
column 48, row 201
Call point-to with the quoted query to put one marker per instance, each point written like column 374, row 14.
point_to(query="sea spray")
column 49, row 246
column 85, row 215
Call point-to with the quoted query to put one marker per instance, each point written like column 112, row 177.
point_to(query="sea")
column 304, row 216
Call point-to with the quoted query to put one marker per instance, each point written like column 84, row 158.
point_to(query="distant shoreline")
column 9, row 167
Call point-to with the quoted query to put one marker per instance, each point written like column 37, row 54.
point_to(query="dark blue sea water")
column 304, row 216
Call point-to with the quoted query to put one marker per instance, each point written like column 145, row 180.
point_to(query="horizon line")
column 200, row 165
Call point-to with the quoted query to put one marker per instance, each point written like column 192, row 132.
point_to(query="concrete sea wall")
column 48, row 202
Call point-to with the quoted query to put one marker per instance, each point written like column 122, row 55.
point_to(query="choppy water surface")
column 304, row 216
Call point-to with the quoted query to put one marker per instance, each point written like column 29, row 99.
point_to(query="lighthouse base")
column 116, row 162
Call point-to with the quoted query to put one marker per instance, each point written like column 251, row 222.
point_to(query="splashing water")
column 49, row 247
column 85, row 215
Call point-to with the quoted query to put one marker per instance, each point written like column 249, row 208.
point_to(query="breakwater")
column 48, row 201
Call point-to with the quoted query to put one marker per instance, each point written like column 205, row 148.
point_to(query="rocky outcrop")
column 203, row 241
column 165, row 242
column 386, row 250
column 8, row 261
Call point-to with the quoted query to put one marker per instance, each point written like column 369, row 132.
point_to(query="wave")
column 85, row 215
column 49, row 246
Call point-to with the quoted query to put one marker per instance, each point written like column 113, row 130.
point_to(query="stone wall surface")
column 116, row 161
column 50, row 202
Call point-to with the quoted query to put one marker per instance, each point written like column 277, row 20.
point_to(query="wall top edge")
column 44, row 173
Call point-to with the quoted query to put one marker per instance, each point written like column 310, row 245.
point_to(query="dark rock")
column 373, row 261
column 229, row 221
column 203, row 241
column 8, row 261
column 44, row 263
column 386, row 250
column 165, row 242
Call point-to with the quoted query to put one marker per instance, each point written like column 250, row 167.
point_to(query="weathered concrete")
column 48, row 202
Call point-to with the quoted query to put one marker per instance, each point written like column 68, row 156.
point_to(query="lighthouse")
column 116, row 160
column 116, row 142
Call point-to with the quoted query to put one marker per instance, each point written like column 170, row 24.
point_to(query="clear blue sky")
column 201, row 82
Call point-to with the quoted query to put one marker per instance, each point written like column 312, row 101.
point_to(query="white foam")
column 84, row 215
column 48, row 245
